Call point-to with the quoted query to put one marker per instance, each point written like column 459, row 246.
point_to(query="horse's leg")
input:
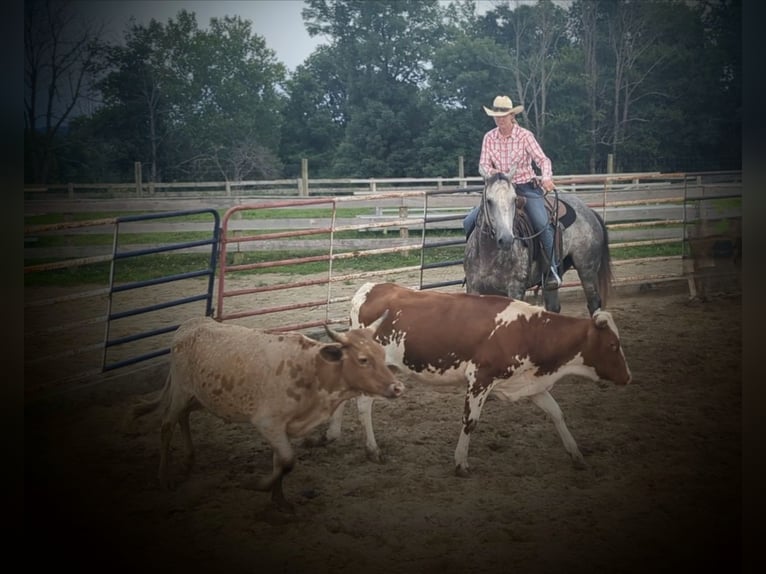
column 589, row 283
column 551, row 300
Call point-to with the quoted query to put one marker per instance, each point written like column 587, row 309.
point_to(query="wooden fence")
column 639, row 209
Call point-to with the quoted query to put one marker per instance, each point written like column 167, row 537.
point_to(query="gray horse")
column 501, row 254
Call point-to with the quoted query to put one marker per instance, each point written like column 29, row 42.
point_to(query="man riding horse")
column 509, row 148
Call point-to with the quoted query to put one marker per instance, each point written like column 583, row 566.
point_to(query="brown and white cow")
column 486, row 343
column 284, row 384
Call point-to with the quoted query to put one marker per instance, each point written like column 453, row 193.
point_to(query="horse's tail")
column 605, row 275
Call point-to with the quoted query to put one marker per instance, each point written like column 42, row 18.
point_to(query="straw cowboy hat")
column 502, row 106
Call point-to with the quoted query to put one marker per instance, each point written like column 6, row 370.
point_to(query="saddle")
column 560, row 214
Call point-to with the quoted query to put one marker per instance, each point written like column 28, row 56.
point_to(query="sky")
column 279, row 22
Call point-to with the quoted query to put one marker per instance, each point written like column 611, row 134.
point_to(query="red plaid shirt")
column 499, row 153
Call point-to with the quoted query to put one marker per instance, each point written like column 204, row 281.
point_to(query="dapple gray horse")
column 500, row 255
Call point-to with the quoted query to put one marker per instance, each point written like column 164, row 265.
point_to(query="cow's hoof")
column 376, row 456
column 257, row 483
column 284, row 506
column 315, row 441
column 462, row 471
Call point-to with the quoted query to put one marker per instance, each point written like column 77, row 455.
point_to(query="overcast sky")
column 279, row 22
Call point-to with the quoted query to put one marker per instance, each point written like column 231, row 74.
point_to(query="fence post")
column 607, row 182
column 138, row 176
column 404, row 231
column 461, row 170
column 304, row 187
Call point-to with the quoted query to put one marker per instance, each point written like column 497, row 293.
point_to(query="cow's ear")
column 331, row 353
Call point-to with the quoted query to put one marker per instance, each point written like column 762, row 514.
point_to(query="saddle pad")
column 566, row 214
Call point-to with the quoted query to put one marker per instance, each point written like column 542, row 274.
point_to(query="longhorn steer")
column 486, row 343
column 284, row 384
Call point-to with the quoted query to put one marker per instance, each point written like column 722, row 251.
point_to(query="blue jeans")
column 538, row 216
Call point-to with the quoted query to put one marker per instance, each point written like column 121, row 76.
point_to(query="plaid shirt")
column 499, row 153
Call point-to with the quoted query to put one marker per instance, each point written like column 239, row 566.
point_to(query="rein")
column 526, row 237
column 485, row 212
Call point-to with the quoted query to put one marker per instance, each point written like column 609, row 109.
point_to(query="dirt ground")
column 661, row 493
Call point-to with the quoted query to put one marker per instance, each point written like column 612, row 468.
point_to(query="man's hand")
column 547, row 185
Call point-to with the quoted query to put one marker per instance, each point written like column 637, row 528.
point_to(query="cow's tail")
column 150, row 404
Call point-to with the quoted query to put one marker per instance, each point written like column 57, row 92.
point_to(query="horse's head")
column 499, row 204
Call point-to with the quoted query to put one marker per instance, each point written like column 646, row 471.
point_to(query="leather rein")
column 491, row 225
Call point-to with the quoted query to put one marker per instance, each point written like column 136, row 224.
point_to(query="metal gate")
column 70, row 351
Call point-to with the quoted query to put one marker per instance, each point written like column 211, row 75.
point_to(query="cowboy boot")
column 551, row 280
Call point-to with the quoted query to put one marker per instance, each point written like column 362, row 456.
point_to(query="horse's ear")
column 483, row 173
column 511, row 173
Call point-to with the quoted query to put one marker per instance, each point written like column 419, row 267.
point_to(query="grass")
column 270, row 213
column 164, row 264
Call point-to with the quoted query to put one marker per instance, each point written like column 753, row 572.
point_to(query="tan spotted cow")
column 284, row 384
column 484, row 343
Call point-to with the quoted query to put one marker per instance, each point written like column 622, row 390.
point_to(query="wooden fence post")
column 461, row 170
column 138, row 177
column 304, row 188
column 607, row 182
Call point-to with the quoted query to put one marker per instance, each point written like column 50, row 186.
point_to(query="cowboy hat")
column 502, row 106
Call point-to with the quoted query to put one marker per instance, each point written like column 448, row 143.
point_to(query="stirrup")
column 552, row 280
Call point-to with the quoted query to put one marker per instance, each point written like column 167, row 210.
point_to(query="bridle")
column 491, row 224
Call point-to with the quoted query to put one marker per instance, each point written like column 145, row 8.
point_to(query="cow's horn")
column 335, row 336
column 375, row 324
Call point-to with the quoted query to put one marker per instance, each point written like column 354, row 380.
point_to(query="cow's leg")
column 178, row 402
column 364, row 406
column 283, row 460
column 474, row 401
column 336, row 422
column 183, row 422
column 548, row 404
column 166, row 434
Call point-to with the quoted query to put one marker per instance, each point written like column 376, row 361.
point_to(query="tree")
column 196, row 104
column 381, row 50
column 61, row 61
column 532, row 37
column 585, row 16
column 315, row 114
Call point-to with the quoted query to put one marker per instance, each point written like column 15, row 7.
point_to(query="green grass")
column 269, row 213
column 163, row 264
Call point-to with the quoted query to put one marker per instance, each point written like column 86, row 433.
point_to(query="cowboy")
column 510, row 146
